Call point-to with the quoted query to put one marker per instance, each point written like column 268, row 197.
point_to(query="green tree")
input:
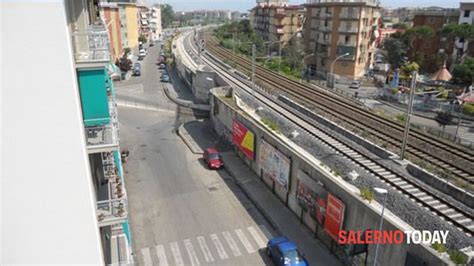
column 142, row 39
column 400, row 25
column 394, row 51
column 409, row 67
column 464, row 73
column 462, row 31
column 167, row 15
column 443, row 118
column 417, row 34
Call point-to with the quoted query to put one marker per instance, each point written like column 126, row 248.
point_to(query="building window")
column 467, row 13
column 427, row 44
column 326, row 23
column 431, row 20
column 347, row 38
column 323, row 63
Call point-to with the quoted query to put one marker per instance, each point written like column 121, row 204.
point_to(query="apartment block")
column 155, row 23
column 336, row 27
column 92, row 61
column 144, row 15
column 129, row 24
column 110, row 14
column 434, row 18
column 277, row 21
column 466, row 16
column 48, row 202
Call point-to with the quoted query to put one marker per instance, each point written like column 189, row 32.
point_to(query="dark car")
column 284, row 252
column 165, row 78
column 213, row 159
column 137, row 69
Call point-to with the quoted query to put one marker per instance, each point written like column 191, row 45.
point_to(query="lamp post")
column 410, row 108
column 384, row 192
column 302, row 65
column 331, row 75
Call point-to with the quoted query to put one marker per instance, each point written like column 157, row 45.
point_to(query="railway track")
column 459, row 218
column 443, row 155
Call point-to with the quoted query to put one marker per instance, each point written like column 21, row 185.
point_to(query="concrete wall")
column 359, row 214
column 47, row 198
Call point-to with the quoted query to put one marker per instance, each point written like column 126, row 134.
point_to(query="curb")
column 265, row 215
column 186, row 140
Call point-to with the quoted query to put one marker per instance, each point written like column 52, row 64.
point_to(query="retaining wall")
column 359, row 214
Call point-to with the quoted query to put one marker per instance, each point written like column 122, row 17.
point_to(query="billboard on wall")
column 274, row 164
column 311, row 196
column 334, row 216
column 244, row 139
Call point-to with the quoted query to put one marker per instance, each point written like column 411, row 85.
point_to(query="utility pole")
column 410, row 108
column 253, row 66
column 233, row 48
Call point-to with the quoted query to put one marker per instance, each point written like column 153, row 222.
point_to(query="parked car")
column 165, row 78
column 212, row 158
column 284, row 252
column 162, row 66
column 355, row 84
column 137, row 69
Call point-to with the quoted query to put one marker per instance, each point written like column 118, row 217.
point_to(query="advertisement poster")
column 275, row 164
column 334, row 216
column 244, row 139
column 311, row 196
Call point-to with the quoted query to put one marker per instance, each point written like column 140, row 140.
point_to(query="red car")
column 213, row 158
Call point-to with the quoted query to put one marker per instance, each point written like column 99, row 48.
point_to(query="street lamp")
column 302, row 65
column 384, row 192
column 332, row 69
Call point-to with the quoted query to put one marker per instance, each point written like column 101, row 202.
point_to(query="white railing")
column 103, row 137
column 354, row 15
column 348, row 29
column 92, row 45
column 113, row 211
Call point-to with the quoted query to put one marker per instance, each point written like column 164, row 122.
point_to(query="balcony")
column 325, row 28
column 91, row 47
column 352, row 44
column 112, row 210
column 324, row 41
column 104, row 138
column 348, row 29
column 325, row 15
column 349, row 15
column 280, row 31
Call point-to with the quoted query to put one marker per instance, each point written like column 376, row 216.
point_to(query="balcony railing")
column 348, row 29
column 91, row 46
column 347, row 44
column 113, row 211
column 368, row 2
column 324, row 41
column 325, row 28
column 352, row 15
column 325, row 15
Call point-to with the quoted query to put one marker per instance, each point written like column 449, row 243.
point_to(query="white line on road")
column 219, row 247
column 160, row 252
column 191, row 253
column 233, row 246
column 176, row 254
column 248, row 246
column 205, row 250
column 253, row 232
column 146, row 257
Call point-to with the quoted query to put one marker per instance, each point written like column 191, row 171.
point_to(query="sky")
column 245, row 5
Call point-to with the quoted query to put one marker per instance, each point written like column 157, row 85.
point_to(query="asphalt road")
column 181, row 213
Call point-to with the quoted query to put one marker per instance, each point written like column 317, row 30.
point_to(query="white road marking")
column 248, row 246
column 253, row 232
column 146, row 257
column 191, row 253
column 220, row 249
column 160, row 252
column 176, row 254
column 233, row 246
column 205, row 250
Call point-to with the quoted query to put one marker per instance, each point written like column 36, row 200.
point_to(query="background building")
column 130, row 24
column 276, row 21
column 333, row 28
column 435, row 18
column 155, row 23
column 111, row 16
column 466, row 16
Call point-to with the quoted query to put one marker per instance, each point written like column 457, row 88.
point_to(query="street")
column 181, row 213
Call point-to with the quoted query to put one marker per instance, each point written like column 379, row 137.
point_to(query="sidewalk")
column 275, row 212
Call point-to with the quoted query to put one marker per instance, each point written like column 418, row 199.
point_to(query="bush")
column 367, row 194
column 439, row 247
column 402, row 117
column 272, row 125
column 458, row 257
column 468, row 108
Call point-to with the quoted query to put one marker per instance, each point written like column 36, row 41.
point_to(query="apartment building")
column 144, row 15
column 466, row 16
column 129, row 24
column 109, row 13
column 434, row 18
column 48, row 204
column 92, row 60
column 336, row 27
column 277, row 21
column 155, row 23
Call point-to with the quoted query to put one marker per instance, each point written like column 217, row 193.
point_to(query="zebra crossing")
column 208, row 249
